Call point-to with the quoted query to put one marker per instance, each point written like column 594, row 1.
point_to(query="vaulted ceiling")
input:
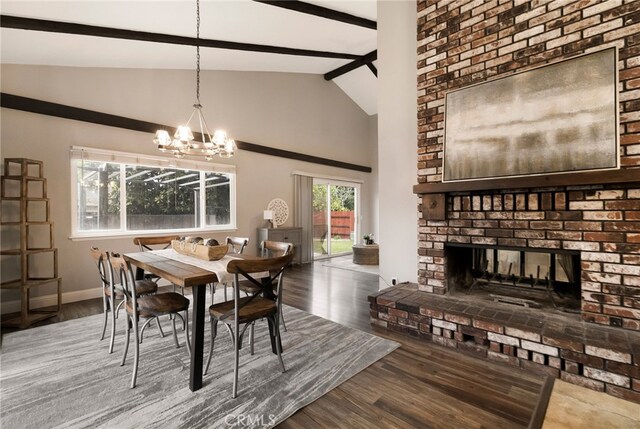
column 28, row 37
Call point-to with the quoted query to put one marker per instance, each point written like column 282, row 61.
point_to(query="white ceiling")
column 229, row 20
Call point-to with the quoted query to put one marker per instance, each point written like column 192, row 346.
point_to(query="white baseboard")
column 49, row 300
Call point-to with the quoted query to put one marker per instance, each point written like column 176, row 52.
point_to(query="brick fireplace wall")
column 466, row 42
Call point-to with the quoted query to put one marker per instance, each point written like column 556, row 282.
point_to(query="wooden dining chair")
column 154, row 243
column 243, row 312
column 148, row 307
column 112, row 292
column 237, row 244
column 147, row 244
column 268, row 249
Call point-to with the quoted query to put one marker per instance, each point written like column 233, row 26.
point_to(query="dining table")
column 189, row 272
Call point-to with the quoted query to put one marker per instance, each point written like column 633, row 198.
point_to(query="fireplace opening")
column 536, row 278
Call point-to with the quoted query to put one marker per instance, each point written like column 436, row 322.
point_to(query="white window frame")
column 79, row 153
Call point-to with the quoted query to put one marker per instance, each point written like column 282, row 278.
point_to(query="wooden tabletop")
column 176, row 272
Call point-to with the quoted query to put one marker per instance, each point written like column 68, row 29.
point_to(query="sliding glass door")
column 335, row 217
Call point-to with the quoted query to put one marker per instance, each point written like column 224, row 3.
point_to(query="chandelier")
column 183, row 142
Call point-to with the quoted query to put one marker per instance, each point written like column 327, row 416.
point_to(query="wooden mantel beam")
column 623, row 175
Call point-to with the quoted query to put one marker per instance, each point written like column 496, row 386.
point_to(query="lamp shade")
column 268, row 215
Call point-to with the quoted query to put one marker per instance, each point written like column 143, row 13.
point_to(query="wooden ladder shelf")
column 28, row 235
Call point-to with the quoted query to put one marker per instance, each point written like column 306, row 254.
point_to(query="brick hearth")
column 598, row 357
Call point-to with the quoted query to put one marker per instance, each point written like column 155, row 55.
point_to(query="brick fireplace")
column 594, row 216
column 599, row 223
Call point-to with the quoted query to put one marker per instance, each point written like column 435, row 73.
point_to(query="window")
column 120, row 193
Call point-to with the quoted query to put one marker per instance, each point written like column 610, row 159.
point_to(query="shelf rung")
column 17, row 284
column 16, row 252
column 18, row 177
column 27, row 223
column 24, row 198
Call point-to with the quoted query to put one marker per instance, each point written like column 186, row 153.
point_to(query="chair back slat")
column 146, row 243
column 237, row 244
column 258, row 265
column 274, row 249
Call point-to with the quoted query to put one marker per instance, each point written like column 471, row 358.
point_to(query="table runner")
column 219, row 267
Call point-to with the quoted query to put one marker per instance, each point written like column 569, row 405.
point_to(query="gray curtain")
column 303, row 206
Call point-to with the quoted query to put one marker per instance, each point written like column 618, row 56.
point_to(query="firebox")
column 536, row 278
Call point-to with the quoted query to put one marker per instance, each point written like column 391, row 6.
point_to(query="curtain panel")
column 303, row 199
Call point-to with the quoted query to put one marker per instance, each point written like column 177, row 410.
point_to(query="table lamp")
column 268, row 215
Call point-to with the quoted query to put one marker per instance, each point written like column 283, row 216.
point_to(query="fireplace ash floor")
column 565, row 305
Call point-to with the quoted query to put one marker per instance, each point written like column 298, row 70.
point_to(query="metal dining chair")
column 148, row 307
column 268, row 249
column 236, row 246
column 241, row 313
column 111, row 291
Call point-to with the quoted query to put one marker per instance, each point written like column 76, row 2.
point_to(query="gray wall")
column 297, row 112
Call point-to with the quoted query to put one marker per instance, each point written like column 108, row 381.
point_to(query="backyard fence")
column 342, row 224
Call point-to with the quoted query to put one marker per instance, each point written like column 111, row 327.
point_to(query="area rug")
column 61, row 376
column 346, row 263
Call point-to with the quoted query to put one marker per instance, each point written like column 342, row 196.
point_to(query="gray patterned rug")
column 60, row 375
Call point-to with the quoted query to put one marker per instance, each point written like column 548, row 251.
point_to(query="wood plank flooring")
column 419, row 385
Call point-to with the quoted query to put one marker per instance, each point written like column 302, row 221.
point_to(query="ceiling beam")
column 363, row 60
column 312, row 9
column 373, row 69
column 20, row 23
column 33, row 105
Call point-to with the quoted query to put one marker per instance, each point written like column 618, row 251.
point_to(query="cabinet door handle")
column 286, row 238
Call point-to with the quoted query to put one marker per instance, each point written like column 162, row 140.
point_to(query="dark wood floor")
column 419, row 385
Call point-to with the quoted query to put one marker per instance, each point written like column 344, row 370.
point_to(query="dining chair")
column 236, row 246
column 111, row 291
column 243, row 312
column 268, row 249
column 147, row 244
column 148, row 307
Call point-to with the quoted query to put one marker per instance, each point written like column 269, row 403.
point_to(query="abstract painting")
column 557, row 118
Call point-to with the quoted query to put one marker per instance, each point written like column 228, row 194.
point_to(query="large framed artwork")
column 558, row 118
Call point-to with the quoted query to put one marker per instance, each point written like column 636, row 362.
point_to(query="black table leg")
column 197, row 340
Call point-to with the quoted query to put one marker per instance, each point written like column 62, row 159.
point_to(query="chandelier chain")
column 198, row 53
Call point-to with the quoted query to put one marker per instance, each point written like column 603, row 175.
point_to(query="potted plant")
column 368, row 238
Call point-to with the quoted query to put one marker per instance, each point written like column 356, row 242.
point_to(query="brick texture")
column 466, row 42
column 461, row 43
